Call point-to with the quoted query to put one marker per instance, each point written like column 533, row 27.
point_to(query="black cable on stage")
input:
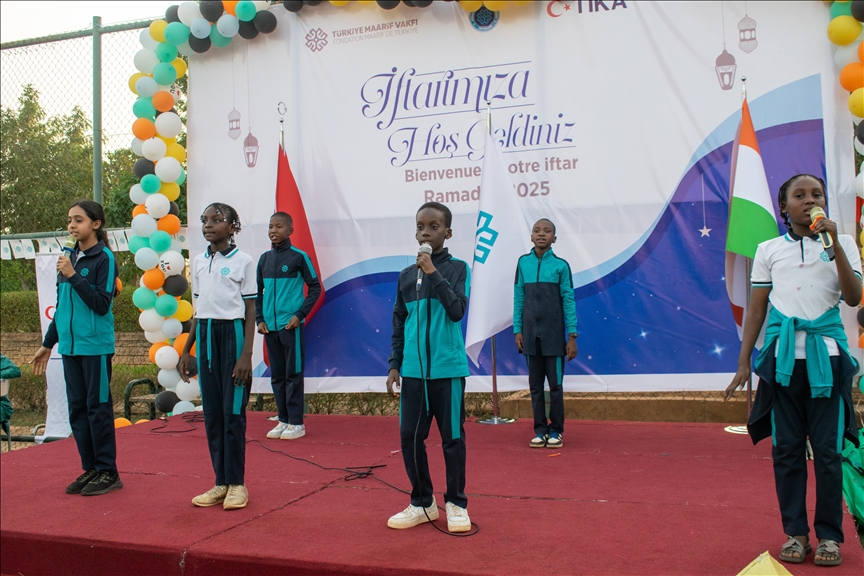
column 189, row 417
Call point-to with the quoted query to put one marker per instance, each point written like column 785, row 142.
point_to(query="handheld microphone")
column 424, row 249
column 69, row 245
column 816, row 214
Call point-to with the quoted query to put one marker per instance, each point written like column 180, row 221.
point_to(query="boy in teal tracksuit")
column 281, row 311
column 543, row 306
column 429, row 349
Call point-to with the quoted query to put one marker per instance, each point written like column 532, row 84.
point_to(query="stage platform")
column 618, row 498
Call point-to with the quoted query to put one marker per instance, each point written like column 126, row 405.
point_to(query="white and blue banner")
column 615, row 120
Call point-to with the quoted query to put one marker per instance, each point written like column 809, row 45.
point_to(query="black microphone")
column 424, row 249
column 816, row 214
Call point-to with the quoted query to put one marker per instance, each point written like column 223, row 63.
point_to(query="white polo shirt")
column 803, row 282
column 221, row 283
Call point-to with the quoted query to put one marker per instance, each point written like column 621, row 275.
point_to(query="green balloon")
column 136, row 243
column 176, row 33
column 151, row 183
column 166, row 305
column 841, row 9
column 166, row 52
column 144, row 298
column 160, row 241
column 143, row 108
column 182, row 177
column 245, row 10
column 164, row 73
column 217, row 39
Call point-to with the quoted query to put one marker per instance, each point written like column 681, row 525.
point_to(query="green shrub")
column 19, row 312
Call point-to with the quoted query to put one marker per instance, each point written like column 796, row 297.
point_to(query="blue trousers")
column 540, row 370
column 420, row 400
column 91, row 410
column 285, row 351
column 219, row 343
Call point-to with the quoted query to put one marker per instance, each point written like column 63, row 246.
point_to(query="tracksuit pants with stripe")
column 420, row 400
column 285, row 352
column 219, row 343
column 91, row 410
column 541, row 369
column 796, row 416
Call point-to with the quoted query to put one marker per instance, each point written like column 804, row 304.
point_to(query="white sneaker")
column 412, row 516
column 457, row 518
column 293, row 432
column 277, row 431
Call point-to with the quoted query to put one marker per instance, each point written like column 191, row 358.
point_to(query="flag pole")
column 495, row 419
column 748, row 264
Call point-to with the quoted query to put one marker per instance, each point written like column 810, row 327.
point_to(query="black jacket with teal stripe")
column 427, row 330
column 543, row 303
column 83, row 321
column 281, row 274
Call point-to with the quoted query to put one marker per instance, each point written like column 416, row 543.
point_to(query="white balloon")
column 168, row 125
column 228, row 25
column 155, row 337
column 187, row 390
column 146, row 87
column 859, row 184
column 147, row 41
column 200, row 28
column 171, row 263
column 168, row 378
column 183, row 406
column 846, row 55
column 172, row 328
column 167, row 357
column 144, row 225
column 185, row 49
column 154, row 149
column 157, row 205
column 145, row 61
column 137, row 195
column 136, row 146
column 146, row 259
column 168, row 169
column 176, row 93
column 175, row 245
column 150, row 320
column 855, row 120
column 188, row 12
column 261, row 5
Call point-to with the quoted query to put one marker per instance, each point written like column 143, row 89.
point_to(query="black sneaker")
column 80, row 482
column 102, row 484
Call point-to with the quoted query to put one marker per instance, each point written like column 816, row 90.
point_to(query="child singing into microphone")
column 805, row 369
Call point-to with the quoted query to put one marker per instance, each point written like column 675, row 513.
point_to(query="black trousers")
column 91, row 410
column 797, row 416
column 420, row 400
column 219, row 344
column 541, row 369
column 286, row 353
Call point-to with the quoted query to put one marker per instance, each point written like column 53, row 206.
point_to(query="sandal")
column 794, row 546
column 828, row 547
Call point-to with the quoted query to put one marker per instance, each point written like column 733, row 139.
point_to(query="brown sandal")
column 826, row 547
column 794, row 546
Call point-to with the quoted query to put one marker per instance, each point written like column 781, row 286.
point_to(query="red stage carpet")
column 621, row 498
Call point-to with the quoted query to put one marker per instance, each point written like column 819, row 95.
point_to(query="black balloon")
column 166, row 400
column 211, row 10
column 264, row 21
column 199, row 45
column 861, row 317
column 171, row 14
column 409, row 3
column 422, row 3
column 143, row 167
column 187, row 326
column 312, row 2
column 857, row 8
column 247, row 30
column 859, row 132
column 175, row 209
column 388, row 4
column 172, row 110
column 175, row 285
column 293, row 5
column 192, row 370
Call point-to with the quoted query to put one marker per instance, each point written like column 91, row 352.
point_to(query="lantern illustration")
column 234, row 124
column 250, row 150
column 747, row 34
column 725, row 68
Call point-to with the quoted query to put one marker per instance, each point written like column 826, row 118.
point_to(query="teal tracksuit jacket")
column 281, row 274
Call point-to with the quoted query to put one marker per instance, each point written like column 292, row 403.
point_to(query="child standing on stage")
column 280, row 311
column 223, row 293
column 805, row 368
column 83, row 326
column 543, row 306
column 429, row 349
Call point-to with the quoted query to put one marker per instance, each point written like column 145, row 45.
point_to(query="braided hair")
column 94, row 212
column 784, row 188
column 230, row 214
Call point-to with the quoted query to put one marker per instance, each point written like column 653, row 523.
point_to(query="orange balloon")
column 153, row 279
column 143, row 129
column 142, row 421
column 180, row 342
column 121, row 422
column 852, row 76
column 861, row 341
column 861, row 51
column 163, row 101
column 119, row 285
column 169, row 223
column 229, row 6
column 155, row 348
column 138, row 210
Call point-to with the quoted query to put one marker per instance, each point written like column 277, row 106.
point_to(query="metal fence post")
column 97, row 109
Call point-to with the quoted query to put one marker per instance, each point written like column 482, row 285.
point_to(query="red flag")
column 288, row 200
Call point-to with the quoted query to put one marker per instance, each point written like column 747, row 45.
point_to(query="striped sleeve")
column 249, row 284
column 760, row 276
